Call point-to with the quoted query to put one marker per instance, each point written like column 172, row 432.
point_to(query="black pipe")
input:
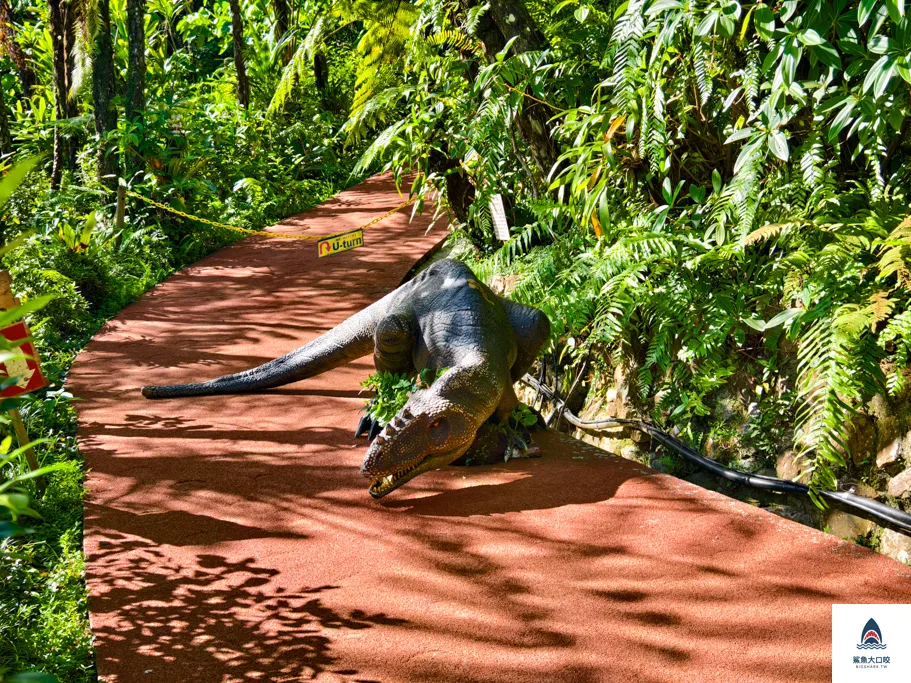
column 882, row 514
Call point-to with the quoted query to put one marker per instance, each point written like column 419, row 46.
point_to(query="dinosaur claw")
column 363, row 427
column 518, row 445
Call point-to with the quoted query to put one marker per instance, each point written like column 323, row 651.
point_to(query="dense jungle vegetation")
column 696, row 191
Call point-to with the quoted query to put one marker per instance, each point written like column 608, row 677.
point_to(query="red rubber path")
column 232, row 539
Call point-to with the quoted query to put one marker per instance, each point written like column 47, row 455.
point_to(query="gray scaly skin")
column 444, row 318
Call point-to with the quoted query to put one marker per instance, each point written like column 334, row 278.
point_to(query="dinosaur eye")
column 438, row 431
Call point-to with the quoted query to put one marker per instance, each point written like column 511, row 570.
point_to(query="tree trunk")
column 6, row 140
column 321, row 72
column 281, row 13
column 502, row 22
column 459, row 190
column 103, row 95
column 69, row 52
column 136, row 67
column 534, row 124
column 135, row 100
column 11, row 47
column 57, row 27
column 514, row 21
column 237, row 32
column 486, row 31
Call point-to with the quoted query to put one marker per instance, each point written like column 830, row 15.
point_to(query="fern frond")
column 626, row 42
column 879, row 308
column 895, row 254
column 473, row 17
column 703, row 82
column 299, row 64
column 811, row 161
column 382, row 44
column 767, row 231
column 457, row 40
column 376, row 149
column 751, row 76
column 838, row 369
column 898, row 332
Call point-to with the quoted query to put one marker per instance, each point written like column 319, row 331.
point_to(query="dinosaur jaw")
column 380, row 486
column 387, row 483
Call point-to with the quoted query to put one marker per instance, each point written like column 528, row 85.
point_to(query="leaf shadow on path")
column 214, row 618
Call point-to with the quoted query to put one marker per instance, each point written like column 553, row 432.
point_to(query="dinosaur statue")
column 444, row 318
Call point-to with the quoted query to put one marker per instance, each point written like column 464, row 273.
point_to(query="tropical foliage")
column 391, row 393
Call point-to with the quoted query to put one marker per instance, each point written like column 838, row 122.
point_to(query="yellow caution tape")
column 225, row 226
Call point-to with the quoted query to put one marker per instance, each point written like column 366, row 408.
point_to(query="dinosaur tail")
column 348, row 341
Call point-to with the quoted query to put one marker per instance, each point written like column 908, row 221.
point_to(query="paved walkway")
column 232, row 539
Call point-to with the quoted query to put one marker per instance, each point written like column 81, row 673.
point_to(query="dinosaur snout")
column 368, row 468
column 372, row 465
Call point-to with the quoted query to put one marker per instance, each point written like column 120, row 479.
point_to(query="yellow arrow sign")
column 343, row 242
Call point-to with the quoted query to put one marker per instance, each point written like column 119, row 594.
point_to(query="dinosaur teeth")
column 382, row 485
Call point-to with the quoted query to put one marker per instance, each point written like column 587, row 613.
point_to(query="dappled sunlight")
column 231, row 538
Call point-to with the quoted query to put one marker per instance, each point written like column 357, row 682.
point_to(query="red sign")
column 28, row 370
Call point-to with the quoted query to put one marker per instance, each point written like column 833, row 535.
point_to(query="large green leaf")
column 864, row 10
column 764, row 21
column 878, row 76
column 778, row 145
column 843, row 118
column 896, row 9
column 31, row 677
column 789, row 60
column 810, row 37
column 828, row 55
column 663, row 6
column 15, row 176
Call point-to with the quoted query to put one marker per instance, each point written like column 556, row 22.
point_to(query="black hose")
column 880, row 513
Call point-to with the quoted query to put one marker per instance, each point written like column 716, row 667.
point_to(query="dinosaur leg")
column 502, row 438
column 394, row 341
column 498, row 442
column 532, row 330
column 393, row 351
column 508, row 402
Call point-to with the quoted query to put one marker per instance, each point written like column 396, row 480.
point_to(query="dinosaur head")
column 433, row 429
